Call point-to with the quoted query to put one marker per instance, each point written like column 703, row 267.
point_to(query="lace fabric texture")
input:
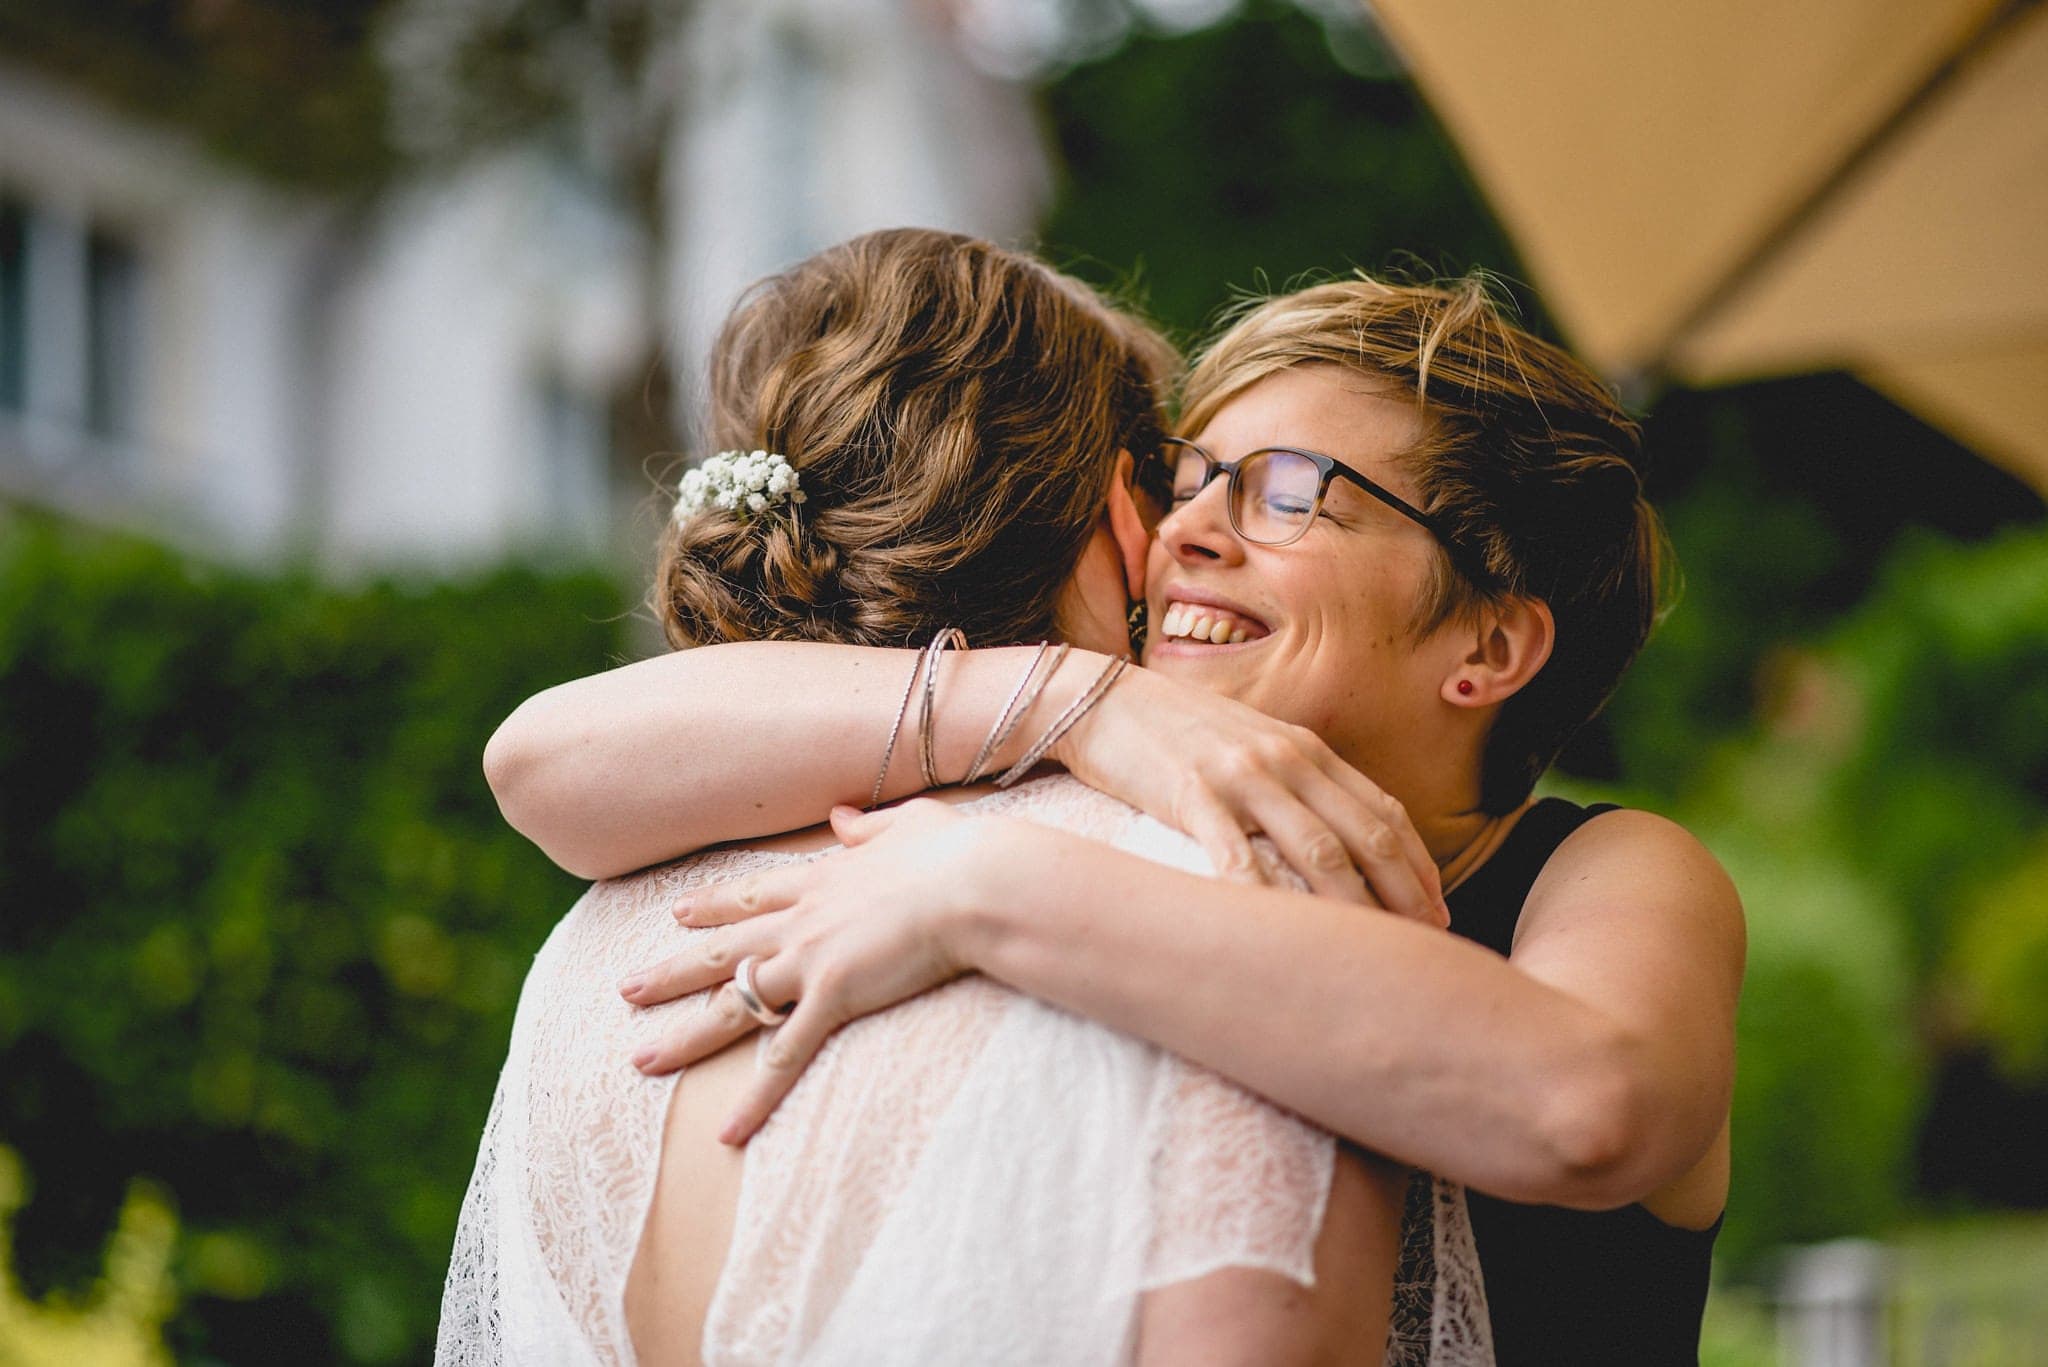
column 971, row 1176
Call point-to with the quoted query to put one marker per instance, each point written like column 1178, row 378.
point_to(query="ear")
column 1127, row 526
column 1510, row 643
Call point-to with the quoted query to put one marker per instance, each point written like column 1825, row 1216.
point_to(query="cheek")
column 1157, row 561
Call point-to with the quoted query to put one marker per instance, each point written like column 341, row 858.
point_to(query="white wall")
column 471, row 299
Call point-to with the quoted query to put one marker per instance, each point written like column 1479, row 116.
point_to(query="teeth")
column 1189, row 621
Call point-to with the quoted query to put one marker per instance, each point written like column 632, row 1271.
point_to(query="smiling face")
column 1319, row 632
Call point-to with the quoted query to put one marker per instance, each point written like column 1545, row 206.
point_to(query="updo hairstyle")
column 954, row 412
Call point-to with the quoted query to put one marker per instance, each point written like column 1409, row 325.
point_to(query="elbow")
column 1598, row 1130
column 508, row 768
column 516, row 770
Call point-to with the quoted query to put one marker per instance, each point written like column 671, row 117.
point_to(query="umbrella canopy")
column 1726, row 191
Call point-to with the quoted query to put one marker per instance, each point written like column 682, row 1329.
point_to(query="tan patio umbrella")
column 1718, row 190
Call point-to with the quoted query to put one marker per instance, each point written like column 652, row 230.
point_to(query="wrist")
column 1076, row 670
column 1084, row 668
column 987, row 871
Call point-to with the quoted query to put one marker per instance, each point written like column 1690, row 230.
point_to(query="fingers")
column 783, row 1060
column 742, row 899
column 855, row 827
column 1306, row 838
column 708, row 962
column 1388, row 848
column 705, row 1034
column 1213, row 826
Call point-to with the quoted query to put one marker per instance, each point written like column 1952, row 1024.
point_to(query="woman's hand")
column 841, row 936
column 1222, row 771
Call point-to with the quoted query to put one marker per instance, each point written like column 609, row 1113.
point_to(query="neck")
column 1443, row 802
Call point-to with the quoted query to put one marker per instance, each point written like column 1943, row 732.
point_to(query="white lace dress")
column 970, row 1177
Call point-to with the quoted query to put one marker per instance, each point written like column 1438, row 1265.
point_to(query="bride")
column 973, row 1176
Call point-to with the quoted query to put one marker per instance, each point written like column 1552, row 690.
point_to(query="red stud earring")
column 1465, row 687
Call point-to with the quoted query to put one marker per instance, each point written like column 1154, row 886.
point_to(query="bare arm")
column 621, row 770
column 625, row 769
column 1590, row 1069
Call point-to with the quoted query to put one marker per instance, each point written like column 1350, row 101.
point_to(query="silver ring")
column 750, row 995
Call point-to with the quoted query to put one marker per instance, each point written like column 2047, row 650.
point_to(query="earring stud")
column 1465, row 687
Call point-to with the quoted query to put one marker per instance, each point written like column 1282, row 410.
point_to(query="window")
column 112, row 335
column 574, row 445
column 13, row 306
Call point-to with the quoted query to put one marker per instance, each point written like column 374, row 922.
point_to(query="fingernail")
column 643, row 1058
column 632, row 985
column 731, row 1133
column 685, row 908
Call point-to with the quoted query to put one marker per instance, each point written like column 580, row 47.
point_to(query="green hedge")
column 1887, row 825
column 261, row 928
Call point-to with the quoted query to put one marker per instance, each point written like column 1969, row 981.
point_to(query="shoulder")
column 1633, row 873
column 1628, row 846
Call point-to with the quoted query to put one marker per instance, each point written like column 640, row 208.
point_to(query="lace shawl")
column 971, row 1176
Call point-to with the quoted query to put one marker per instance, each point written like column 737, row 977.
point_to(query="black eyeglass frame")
column 1327, row 469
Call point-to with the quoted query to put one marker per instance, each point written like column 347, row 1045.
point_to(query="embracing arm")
column 624, row 769
column 652, row 761
column 1590, row 1069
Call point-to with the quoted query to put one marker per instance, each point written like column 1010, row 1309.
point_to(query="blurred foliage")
column 1244, row 155
column 1786, row 502
column 261, row 927
column 1884, row 822
column 119, row 1324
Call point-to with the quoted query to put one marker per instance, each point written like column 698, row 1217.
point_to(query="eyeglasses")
column 1275, row 493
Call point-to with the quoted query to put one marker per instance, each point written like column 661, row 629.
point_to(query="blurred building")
column 432, row 376
column 189, row 351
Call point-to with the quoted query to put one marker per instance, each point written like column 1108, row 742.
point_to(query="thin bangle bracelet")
column 952, row 638
column 1016, row 709
column 889, row 750
column 1065, row 722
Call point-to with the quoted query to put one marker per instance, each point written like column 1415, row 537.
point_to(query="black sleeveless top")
column 1574, row 1286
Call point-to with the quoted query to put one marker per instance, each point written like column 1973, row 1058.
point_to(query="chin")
column 1221, row 671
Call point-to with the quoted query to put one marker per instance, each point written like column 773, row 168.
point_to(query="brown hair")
column 953, row 410
column 1528, row 460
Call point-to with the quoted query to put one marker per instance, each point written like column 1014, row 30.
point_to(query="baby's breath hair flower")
column 743, row 482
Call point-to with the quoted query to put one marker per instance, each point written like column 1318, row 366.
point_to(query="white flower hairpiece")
column 743, row 482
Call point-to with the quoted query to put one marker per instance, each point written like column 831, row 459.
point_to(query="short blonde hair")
column 954, row 411
column 1527, row 459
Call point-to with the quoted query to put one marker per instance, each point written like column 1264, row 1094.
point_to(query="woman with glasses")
column 1407, row 556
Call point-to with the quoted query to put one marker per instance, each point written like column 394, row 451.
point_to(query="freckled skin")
column 1340, row 662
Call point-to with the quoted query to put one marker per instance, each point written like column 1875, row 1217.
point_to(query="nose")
column 1198, row 531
